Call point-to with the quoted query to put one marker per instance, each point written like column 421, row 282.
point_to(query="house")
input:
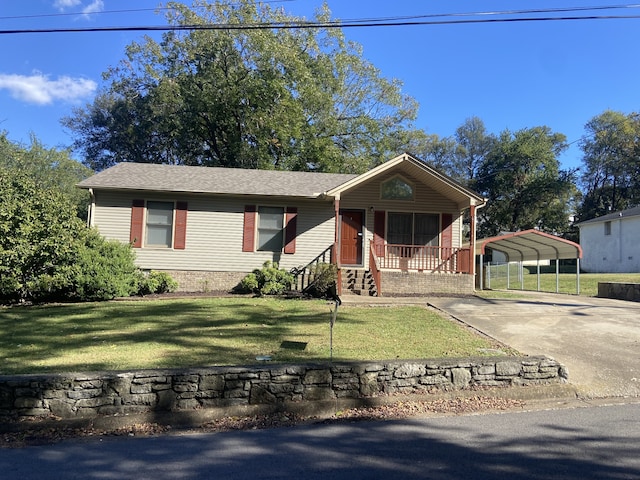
column 610, row 243
column 396, row 229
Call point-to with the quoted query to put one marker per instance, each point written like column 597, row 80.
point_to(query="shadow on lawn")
column 182, row 333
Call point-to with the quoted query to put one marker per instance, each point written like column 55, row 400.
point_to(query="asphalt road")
column 569, row 444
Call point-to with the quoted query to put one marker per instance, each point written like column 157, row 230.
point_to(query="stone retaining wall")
column 280, row 387
column 620, row 291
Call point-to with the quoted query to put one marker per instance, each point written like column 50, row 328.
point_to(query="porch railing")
column 374, row 268
column 303, row 275
column 424, row 258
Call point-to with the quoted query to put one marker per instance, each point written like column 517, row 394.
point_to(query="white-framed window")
column 396, row 188
column 159, row 224
column 270, row 229
column 413, row 228
column 607, row 228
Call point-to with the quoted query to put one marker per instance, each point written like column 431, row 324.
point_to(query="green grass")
column 567, row 281
column 222, row 331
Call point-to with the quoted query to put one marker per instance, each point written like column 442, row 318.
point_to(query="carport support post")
column 557, row 275
column 508, row 275
column 538, row 271
column 521, row 266
column 578, row 276
column 489, row 275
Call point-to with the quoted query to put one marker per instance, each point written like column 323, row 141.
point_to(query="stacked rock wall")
column 276, row 386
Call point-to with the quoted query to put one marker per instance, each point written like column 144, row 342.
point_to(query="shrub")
column 323, row 279
column 270, row 280
column 156, row 282
column 39, row 239
column 104, row 269
column 48, row 254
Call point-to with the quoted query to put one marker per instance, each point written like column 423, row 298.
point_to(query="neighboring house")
column 396, row 229
column 611, row 243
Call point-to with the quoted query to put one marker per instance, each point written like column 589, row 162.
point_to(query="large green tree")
column 461, row 155
column 611, row 164
column 526, row 188
column 271, row 98
column 49, row 168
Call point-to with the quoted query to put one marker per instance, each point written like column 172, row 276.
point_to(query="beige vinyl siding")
column 426, row 200
column 215, row 232
column 112, row 215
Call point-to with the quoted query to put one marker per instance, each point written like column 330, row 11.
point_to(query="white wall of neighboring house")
column 499, row 257
column 613, row 249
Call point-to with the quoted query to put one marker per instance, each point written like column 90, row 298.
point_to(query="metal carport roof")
column 530, row 245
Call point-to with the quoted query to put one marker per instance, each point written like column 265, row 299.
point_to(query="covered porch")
column 403, row 222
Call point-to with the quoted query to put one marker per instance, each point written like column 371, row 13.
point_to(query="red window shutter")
column 180, row 228
column 378, row 231
column 248, row 237
column 137, row 221
column 447, row 230
column 290, row 230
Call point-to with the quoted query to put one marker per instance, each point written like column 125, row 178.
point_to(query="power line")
column 103, row 12
column 309, row 25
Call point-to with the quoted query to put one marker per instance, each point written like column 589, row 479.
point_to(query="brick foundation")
column 199, row 281
column 420, row 283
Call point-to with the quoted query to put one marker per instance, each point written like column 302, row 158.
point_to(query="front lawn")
column 218, row 331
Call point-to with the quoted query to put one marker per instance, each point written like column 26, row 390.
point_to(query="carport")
column 530, row 245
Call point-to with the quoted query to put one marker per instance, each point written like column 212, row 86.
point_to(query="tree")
column 474, row 144
column 439, row 152
column 271, row 98
column 611, row 173
column 48, row 168
column 524, row 184
column 459, row 156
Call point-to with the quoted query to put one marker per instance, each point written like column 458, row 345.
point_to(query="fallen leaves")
column 33, row 435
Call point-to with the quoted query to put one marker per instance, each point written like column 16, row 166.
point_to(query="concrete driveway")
column 597, row 339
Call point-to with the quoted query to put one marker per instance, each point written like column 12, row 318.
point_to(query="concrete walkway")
column 597, row 339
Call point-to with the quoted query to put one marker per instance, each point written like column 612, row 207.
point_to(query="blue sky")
column 511, row 75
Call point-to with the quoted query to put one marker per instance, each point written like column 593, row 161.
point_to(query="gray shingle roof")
column 631, row 212
column 214, row 180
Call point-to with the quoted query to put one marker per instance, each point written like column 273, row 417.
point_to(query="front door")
column 351, row 237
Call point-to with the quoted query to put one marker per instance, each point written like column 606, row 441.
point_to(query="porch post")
column 472, row 240
column 335, row 249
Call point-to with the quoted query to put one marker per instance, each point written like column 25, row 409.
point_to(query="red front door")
column 351, row 237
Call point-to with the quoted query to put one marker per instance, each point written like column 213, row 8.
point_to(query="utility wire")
column 134, row 10
column 309, row 25
column 356, row 20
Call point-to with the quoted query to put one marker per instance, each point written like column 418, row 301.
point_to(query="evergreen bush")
column 270, row 280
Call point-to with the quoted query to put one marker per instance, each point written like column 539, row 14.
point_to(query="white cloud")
column 93, row 7
column 86, row 9
column 63, row 4
column 39, row 89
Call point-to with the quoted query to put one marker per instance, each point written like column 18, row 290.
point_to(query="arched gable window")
column 396, row 188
